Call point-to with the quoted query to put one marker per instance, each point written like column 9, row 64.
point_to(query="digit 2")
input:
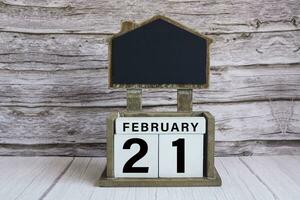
column 180, row 154
column 128, row 167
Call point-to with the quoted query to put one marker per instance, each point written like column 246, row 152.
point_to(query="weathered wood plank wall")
column 53, row 73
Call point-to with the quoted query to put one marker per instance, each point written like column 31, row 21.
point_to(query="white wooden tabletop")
column 276, row 177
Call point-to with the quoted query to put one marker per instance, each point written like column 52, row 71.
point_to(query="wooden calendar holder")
column 123, row 73
column 184, row 107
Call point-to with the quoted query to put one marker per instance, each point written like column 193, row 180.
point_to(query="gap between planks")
column 258, row 178
column 57, row 179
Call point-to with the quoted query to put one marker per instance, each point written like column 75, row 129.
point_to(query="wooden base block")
column 104, row 181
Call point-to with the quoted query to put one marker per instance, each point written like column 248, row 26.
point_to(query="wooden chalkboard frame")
column 174, row 86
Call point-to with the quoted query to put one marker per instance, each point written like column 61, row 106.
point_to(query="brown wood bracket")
column 185, row 100
column 134, row 99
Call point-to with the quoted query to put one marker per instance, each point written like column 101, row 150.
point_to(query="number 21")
column 128, row 167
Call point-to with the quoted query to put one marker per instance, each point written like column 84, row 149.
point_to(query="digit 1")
column 180, row 154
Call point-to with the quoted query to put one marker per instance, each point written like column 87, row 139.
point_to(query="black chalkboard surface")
column 159, row 54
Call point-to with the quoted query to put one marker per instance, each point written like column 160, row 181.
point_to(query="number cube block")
column 136, row 155
column 181, row 155
column 152, row 147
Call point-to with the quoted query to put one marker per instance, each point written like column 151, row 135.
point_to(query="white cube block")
column 136, row 156
column 181, row 155
column 160, row 125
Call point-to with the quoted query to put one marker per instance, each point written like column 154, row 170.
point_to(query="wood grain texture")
column 237, row 121
column 223, row 148
column 274, row 120
column 61, row 149
column 78, row 16
column 54, row 52
column 89, row 87
column 53, row 73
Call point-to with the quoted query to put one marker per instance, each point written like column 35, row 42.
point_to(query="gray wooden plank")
column 79, row 180
column 59, row 52
column 222, row 148
column 52, row 52
column 29, row 177
column 78, row 16
column 234, row 122
column 87, row 88
column 238, row 182
column 55, row 149
column 246, row 128
column 274, row 176
column 257, row 147
column 289, row 166
column 243, row 178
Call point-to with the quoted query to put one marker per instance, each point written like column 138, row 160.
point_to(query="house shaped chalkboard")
column 159, row 53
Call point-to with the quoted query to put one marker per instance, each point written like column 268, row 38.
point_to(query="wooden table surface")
column 273, row 177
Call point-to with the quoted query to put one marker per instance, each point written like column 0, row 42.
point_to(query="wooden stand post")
column 184, row 100
column 134, row 99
